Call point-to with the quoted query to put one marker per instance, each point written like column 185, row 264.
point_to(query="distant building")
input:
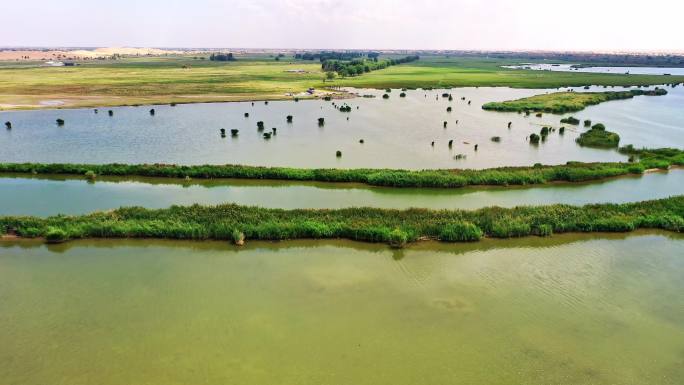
column 52, row 63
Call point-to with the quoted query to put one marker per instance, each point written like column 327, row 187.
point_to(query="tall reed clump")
column 460, row 232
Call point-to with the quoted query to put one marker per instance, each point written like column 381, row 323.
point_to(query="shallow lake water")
column 602, row 69
column 42, row 197
column 562, row 310
column 397, row 133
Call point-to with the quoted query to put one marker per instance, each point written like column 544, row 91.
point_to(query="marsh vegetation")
column 563, row 102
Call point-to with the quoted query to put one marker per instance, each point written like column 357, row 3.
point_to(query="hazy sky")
column 412, row 24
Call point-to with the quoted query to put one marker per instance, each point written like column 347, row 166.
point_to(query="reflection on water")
column 397, row 133
column 563, row 310
column 27, row 195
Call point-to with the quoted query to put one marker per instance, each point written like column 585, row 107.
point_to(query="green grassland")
column 154, row 80
column 148, row 80
column 562, row 102
column 396, row 227
column 434, row 71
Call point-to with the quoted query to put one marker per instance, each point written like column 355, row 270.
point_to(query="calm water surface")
column 397, row 132
column 42, row 197
column 604, row 70
column 565, row 310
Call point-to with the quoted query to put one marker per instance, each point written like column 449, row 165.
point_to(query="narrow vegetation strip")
column 396, row 227
column 562, row 102
column 640, row 161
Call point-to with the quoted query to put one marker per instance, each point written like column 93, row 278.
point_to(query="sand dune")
column 81, row 54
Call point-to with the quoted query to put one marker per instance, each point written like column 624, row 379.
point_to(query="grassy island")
column 599, row 137
column 396, row 227
column 641, row 160
column 562, row 102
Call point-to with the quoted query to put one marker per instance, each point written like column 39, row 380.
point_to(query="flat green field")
column 185, row 79
column 483, row 72
column 153, row 80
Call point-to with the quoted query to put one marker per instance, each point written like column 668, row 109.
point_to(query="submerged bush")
column 599, row 138
column 570, row 120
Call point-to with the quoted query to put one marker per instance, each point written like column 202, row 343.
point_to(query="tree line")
column 357, row 67
column 222, row 57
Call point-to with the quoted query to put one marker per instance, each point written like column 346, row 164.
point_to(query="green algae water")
column 40, row 196
column 604, row 309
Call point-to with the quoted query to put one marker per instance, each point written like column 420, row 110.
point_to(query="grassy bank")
column 163, row 80
column 571, row 172
column 396, row 227
column 641, row 160
column 562, row 102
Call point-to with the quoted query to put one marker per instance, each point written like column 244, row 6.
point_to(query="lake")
column 43, row 196
column 601, row 69
column 602, row 309
column 397, row 133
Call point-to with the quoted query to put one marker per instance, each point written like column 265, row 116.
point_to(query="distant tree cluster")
column 329, row 55
column 590, row 58
column 222, row 57
column 357, row 67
